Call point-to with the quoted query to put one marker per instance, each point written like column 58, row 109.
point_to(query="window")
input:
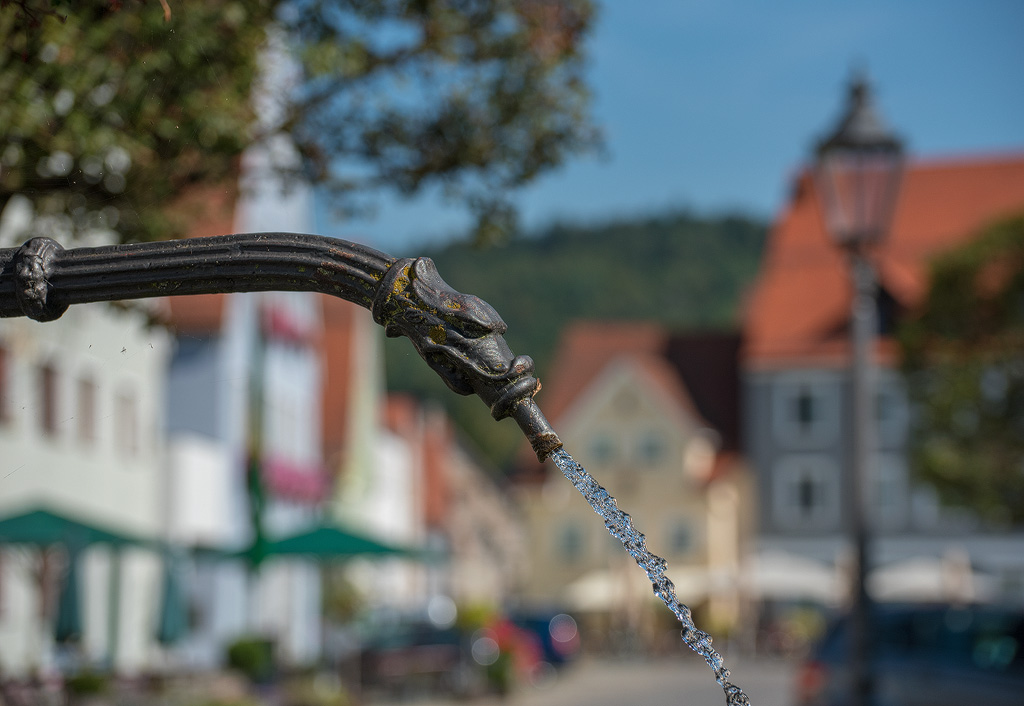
column 680, row 537
column 570, row 543
column 127, row 424
column 650, row 449
column 805, row 410
column 806, row 491
column 602, row 450
column 86, row 415
column 887, row 312
column 48, row 400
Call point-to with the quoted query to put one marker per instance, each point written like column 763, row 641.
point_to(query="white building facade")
column 81, row 435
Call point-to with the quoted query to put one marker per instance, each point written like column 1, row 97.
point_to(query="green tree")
column 109, row 113
column 964, row 356
column 111, row 109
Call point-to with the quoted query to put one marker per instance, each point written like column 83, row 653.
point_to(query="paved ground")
column 630, row 682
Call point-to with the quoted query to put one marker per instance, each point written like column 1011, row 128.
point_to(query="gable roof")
column 629, row 376
column 586, row 348
column 695, row 371
column 798, row 307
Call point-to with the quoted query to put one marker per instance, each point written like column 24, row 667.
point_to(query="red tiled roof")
column 799, row 305
column 586, row 348
column 669, row 362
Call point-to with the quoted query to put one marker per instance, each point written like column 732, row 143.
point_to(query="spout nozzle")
column 536, row 427
column 516, row 400
column 412, row 300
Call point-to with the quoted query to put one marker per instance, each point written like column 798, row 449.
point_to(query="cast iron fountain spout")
column 458, row 335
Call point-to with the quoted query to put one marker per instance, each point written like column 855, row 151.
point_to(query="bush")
column 87, row 683
column 253, row 657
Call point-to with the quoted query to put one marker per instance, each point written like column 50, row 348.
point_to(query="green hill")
column 678, row 269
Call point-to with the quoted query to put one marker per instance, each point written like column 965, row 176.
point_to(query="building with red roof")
column 799, row 306
column 654, row 417
column 796, row 355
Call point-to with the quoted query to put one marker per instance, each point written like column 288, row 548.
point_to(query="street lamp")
column 857, row 173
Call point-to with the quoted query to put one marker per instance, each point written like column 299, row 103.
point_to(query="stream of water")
column 620, row 524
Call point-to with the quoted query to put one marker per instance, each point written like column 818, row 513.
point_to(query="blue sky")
column 713, row 104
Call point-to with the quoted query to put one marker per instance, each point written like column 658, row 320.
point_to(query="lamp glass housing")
column 858, row 172
column 858, row 187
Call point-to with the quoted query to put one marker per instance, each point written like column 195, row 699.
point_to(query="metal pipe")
column 458, row 335
column 864, row 325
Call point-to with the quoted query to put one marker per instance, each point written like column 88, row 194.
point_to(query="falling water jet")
column 621, row 526
column 458, row 335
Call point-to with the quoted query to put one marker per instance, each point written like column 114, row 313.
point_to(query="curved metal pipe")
column 458, row 335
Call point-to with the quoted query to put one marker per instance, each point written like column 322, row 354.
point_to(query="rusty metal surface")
column 458, row 335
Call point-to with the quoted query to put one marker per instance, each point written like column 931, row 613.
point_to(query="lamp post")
column 857, row 173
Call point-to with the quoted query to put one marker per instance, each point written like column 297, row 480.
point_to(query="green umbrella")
column 43, row 527
column 69, row 608
column 328, row 542
column 173, row 620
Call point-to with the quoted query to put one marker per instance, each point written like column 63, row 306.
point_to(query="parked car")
column 556, row 634
column 924, row 655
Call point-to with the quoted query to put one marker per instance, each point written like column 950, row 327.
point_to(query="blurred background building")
column 82, row 433
column 797, row 390
column 655, row 417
